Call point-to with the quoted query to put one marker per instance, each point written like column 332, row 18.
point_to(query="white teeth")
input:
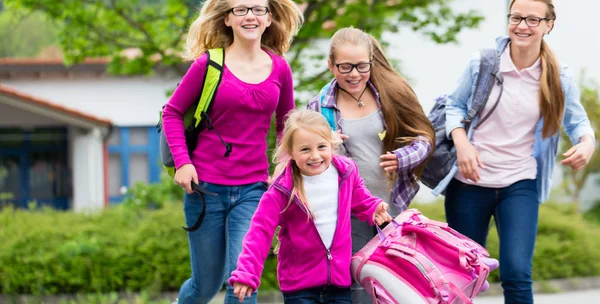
column 523, row 35
column 354, row 82
column 250, row 26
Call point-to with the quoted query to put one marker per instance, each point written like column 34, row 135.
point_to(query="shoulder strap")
column 212, row 78
column 488, row 74
column 326, row 111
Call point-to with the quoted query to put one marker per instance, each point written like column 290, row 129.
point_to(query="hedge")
column 126, row 249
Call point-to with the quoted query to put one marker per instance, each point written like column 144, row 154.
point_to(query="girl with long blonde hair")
column 311, row 200
column 504, row 167
column 229, row 159
column 382, row 123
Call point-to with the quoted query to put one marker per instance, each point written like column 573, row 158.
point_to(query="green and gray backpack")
column 198, row 112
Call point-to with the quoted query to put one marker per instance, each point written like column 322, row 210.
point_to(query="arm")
column 257, row 242
column 456, row 103
column 407, row 157
column 286, row 98
column 184, row 96
column 456, row 110
column 578, row 127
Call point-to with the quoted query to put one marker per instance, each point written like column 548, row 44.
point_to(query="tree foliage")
column 157, row 28
column 24, row 35
column 574, row 181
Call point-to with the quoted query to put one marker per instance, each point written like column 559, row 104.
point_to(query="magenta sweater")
column 303, row 261
column 241, row 113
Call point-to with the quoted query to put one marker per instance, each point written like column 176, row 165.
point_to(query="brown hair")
column 552, row 97
column 306, row 120
column 209, row 30
column 403, row 114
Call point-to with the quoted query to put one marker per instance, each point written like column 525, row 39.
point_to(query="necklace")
column 360, row 102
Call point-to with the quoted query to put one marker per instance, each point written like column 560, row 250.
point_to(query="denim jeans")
column 321, row 295
column 515, row 208
column 215, row 246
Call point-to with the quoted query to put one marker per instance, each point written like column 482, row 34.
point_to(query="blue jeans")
column 515, row 209
column 321, row 295
column 215, row 246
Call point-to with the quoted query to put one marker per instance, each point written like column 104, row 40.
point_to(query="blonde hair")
column 310, row 121
column 209, row 30
column 403, row 114
column 551, row 96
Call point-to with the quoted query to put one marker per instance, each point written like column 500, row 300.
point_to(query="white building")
column 76, row 138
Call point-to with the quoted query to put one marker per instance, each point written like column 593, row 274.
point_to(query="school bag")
column 197, row 112
column 191, row 121
column 443, row 157
column 415, row 260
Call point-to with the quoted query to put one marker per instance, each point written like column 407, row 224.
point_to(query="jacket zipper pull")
column 329, row 257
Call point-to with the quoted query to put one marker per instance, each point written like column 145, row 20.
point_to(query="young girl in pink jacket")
column 311, row 200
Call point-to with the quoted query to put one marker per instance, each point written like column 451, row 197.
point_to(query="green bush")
column 566, row 246
column 129, row 249
column 120, row 249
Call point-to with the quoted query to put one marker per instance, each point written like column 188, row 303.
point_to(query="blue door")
column 34, row 167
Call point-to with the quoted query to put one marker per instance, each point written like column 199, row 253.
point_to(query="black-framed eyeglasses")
column 529, row 21
column 243, row 11
column 346, row 68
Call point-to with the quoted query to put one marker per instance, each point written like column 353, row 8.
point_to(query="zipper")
column 327, row 250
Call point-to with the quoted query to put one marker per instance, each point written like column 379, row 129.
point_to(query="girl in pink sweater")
column 311, row 201
column 256, row 83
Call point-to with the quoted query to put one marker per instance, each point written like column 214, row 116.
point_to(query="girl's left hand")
column 579, row 155
column 389, row 162
column 381, row 216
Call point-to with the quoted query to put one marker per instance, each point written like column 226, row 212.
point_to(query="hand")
column 242, row 290
column 579, row 155
column 381, row 216
column 468, row 161
column 389, row 162
column 185, row 175
column 342, row 136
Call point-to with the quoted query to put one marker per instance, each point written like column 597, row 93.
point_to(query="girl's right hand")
column 185, row 175
column 242, row 290
column 467, row 156
column 468, row 161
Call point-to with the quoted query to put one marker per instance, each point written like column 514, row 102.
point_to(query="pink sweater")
column 303, row 261
column 241, row 113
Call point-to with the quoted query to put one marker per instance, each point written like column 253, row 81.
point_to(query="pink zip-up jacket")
column 303, row 260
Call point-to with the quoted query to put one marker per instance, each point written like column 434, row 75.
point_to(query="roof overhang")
column 35, row 105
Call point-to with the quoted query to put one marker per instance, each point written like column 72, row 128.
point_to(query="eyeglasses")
column 346, row 68
column 529, row 21
column 256, row 10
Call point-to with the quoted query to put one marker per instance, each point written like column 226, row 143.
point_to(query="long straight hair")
column 402, row 112
column 551, row 96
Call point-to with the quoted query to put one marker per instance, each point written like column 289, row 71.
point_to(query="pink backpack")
column 415, row 260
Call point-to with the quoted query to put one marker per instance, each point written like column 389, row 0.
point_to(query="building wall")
column 88, row 167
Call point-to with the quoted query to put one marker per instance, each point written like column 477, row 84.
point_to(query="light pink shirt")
column 505, row 141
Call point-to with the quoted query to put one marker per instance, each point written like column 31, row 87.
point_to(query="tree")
column 157, row 28
column 24, row 35
column 574, row 181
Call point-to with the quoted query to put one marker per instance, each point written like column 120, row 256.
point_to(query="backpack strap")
column 488, row 74
column 326, row 111
column 212, row 78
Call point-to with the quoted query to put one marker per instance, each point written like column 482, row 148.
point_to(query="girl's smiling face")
column 311, row 152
